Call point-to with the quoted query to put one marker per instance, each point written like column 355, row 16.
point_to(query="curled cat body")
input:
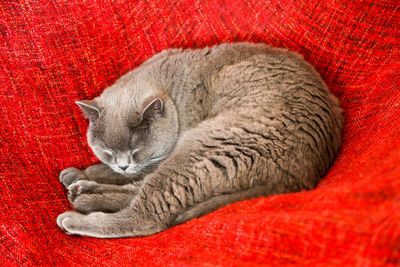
column 190, row 131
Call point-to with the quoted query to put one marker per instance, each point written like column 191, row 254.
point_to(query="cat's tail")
column 217, row 202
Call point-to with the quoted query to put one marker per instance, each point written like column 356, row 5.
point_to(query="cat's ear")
column 90, row 109
column 151, row 107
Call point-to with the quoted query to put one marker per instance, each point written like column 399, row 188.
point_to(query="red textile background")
column 55, row 52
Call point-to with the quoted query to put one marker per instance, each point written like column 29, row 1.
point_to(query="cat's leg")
column 82, row 187
column 91, row 187
column 106, row 202
column 125, row 223
column 99, row 173
column 87, row 196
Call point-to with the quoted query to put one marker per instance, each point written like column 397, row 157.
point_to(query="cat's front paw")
column 71, row 175
column 69, row 221
column 81, row 187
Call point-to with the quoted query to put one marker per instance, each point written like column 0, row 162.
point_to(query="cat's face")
column 130, row 137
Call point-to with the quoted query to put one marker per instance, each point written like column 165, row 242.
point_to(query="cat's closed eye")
column 109, row 154
column 134, row 152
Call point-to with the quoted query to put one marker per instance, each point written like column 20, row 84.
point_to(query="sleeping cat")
column 190, row 131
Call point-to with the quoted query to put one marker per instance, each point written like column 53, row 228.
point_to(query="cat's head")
column 131, row 135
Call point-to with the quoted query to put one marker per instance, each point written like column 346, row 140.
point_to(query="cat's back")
column 237, row 69
column 257, row 74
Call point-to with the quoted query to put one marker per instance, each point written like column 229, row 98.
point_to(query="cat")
column 190, row 131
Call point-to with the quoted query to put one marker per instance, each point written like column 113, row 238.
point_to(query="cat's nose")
column 123, row 167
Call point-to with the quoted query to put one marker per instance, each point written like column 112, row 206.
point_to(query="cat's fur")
column 190, row 131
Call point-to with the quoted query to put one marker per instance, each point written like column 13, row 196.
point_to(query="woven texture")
column 55, row 52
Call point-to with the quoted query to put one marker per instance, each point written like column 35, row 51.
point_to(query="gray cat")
column 190, row 131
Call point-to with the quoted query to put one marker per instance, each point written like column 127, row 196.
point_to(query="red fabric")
column 55, row 52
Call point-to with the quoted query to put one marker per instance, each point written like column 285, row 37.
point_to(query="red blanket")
column 55, row 52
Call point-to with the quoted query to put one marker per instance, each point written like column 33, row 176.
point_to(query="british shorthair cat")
column 190, row 131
